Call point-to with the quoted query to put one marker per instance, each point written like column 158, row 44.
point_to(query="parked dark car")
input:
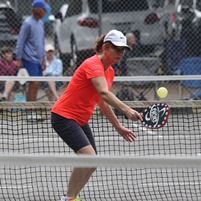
column 10, row 23
column 189, row 22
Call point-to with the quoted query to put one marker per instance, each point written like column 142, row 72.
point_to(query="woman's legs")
column 81, row 140
column 80, row 176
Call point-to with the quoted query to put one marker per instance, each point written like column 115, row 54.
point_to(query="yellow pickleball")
column 162, row 92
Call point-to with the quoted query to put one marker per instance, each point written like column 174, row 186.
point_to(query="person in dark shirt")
column 7, row 63
column 7, row 68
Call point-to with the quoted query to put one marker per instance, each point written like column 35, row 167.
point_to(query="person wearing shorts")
column 30, row 50
column 90, row 86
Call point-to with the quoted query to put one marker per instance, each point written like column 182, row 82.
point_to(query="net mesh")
column 26, row 129
column 47, row 183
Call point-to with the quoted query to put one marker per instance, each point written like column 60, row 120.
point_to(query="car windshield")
column 109, row 6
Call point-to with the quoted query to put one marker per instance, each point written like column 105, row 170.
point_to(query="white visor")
column 117, row 38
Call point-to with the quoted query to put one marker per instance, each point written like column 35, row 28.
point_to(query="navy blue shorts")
column 34, row 69
column 75, row 136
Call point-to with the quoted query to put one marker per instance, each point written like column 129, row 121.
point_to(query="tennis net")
column 33, row 165
column 26, row 128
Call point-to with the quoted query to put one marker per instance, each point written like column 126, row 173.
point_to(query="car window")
column 75, row 7
column 109, row 6
column 198, row 5
column 8, row 16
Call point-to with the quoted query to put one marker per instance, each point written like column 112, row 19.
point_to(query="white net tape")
column 103, row 161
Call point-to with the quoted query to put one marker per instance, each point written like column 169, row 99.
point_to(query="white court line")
column 150, row 133
column 16, row 187
column 158, row 184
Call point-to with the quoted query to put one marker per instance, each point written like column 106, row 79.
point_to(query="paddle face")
column 156, row 115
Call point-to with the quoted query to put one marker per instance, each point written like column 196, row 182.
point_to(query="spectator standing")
column 121, row 68
column 131, row 41
column 30, row 50
column 7, row 68
column 54, row 67
column 125, row 92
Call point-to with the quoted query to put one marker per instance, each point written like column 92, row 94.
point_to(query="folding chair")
column 191, row 66
column 174, row 52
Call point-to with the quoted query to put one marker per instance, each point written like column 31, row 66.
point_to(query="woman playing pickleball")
column 90, row 86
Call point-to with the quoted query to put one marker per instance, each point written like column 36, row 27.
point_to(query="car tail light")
column 151, row 18
column 88, row 22
column 14, row 31
column 173, row 17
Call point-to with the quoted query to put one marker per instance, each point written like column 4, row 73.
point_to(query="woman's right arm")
column 101, row 86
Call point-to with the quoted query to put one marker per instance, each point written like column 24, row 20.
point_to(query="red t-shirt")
column 80, row 97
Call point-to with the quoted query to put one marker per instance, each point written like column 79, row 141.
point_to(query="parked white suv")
column 77, row 29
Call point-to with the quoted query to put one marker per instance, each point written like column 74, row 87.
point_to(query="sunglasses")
column 118, row 49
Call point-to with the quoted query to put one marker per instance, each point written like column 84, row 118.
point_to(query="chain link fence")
column 164, row 35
